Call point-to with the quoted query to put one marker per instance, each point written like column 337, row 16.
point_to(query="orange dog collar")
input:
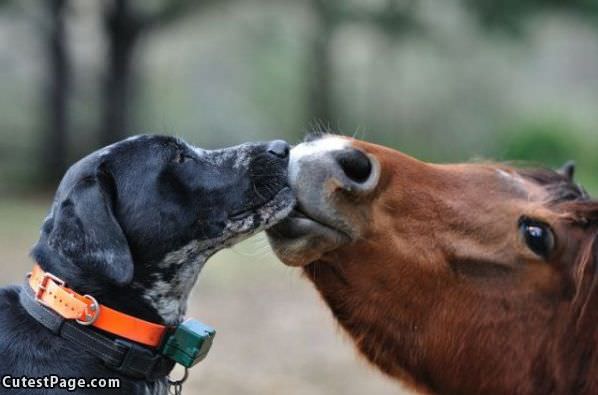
column 52, row 292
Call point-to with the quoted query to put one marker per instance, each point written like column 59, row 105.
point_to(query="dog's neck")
column 167, row 287
column 158, row 292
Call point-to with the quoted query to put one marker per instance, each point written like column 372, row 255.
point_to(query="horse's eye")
column 537, row 236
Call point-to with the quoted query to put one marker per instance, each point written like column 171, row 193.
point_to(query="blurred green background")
column 448, row 80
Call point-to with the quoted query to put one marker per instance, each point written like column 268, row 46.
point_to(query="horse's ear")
column 85, row 231
column 568, row 170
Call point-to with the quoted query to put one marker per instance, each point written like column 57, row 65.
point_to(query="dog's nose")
column 355, row 164
column 279, row 148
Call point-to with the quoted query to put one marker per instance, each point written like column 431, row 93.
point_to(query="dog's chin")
column 243, row 225
column 299, row 239
column 268, row 214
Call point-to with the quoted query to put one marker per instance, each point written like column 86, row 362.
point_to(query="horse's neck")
column 387, row 337
column 423, row 334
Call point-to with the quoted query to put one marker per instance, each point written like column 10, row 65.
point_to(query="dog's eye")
column 537, row 236
column 181, row 157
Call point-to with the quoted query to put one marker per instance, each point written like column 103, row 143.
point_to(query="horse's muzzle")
column 326, row 176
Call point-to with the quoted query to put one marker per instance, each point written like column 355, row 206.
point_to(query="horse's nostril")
column 279, row 148
column 355, row 164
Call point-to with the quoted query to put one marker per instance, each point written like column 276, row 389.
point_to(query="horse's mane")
column 584, row 213
column 560, row 187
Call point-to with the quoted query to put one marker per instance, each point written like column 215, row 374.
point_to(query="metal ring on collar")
column 94, row 308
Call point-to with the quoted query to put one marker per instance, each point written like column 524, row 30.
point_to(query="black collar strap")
column 125, row 357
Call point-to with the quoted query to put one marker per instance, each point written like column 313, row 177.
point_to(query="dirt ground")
column 274, row 335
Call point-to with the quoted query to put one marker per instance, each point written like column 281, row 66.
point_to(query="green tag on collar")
column 189, row 343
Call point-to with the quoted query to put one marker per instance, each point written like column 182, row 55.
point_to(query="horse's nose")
column 279, row 148
column 355, row 164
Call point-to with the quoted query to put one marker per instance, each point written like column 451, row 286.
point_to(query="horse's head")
column 466, row 278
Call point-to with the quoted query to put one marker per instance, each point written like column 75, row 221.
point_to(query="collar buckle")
column 43, row 285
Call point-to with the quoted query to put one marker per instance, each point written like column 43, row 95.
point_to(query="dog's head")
column 141, row 216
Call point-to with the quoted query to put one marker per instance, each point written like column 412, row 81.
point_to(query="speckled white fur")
column 241, row 155
column 170, row 298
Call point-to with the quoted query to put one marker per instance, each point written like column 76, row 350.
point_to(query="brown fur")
column 441, row 292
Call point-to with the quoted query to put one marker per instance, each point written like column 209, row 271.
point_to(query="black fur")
column 117, row 215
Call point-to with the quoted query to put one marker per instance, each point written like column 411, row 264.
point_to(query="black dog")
column 132, row 225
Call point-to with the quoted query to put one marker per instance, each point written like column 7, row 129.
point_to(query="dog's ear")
column 85, row 230
column 568, row 170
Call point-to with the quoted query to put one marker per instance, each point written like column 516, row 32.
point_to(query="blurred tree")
column 510, row 14
column 122, row 28
column 393, row 17
column 58, row 87
column 396, row 17
column 126, row 22
column 320, row 84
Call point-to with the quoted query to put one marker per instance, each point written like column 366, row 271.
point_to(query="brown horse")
column 456, row 279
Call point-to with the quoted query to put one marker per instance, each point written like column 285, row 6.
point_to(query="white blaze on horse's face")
column 326, row 174
column 314, row 150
